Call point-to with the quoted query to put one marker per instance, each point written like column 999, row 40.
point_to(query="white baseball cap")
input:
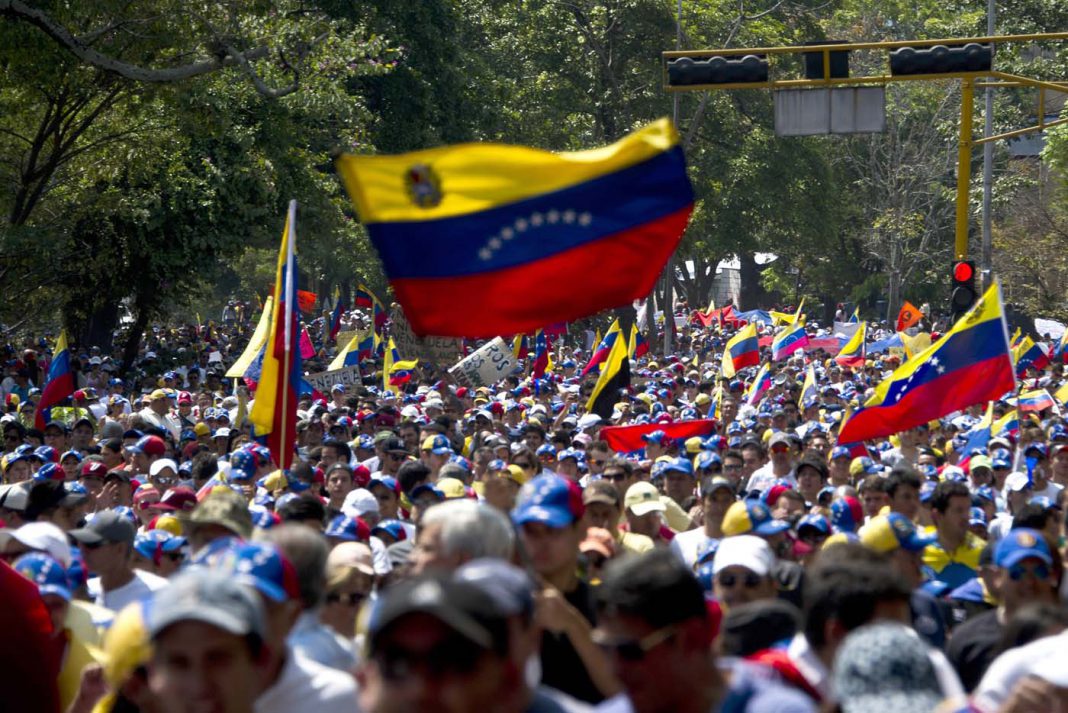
column 747, row 551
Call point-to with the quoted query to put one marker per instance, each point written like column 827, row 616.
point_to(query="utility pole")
column 669, row 268
column 986, row 263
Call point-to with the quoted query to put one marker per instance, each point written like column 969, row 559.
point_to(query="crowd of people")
column 448, row 548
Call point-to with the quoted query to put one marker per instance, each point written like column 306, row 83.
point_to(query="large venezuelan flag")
column 274, row 410
column 60, row 384
column 970, row 364
column 470, row 235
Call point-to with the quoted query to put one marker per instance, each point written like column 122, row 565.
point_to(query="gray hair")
column 454, row 470
column 471, row 529
column 307, row 550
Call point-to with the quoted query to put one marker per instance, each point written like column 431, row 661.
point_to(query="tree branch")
column 19, row 10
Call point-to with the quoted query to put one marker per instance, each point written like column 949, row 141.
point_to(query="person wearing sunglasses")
column 1023, row 565
column 742, row 570
column 655, row 626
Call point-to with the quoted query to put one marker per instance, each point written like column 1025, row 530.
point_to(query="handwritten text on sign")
column 323, row 380
column 489, row 364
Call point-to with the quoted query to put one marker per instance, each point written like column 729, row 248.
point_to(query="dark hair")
column 622, row 463
column 1032, row 621
column 872, row 482
column 344, row 453
column 945, row 490
column 756, row 626
column 342, row 467
column 846, row 586
column 303, row 509
column 733, row 453
column 902, row 475
column 816, row 464
column 411, row 473
column 655, row 587
column 204, row 466
column 1032, row 515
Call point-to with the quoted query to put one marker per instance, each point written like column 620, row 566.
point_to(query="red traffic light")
column 963, row 271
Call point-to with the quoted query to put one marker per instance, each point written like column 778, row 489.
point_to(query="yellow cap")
column 202, row 429
column 169, row 523
column 157, row 394
column 693, row 445
column 452, row 487
column 517, row 474
column 126, row 645
column 702, row 399
column 276, row 481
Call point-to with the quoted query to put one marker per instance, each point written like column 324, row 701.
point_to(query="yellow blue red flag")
column 742, row 350
column 970, row 364
column 473, row 220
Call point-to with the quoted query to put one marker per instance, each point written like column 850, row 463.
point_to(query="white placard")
column 486, row 366
column 323, row 380
column 436, row 350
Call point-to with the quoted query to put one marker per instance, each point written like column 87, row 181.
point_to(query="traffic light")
column 942, row 59
column 687, row 71
column 963, row 295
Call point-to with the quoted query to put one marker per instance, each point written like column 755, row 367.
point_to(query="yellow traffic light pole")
column 966, row 141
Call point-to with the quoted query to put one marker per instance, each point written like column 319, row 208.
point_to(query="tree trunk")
column 752, row 294
column 100, row 327
column 133, row 339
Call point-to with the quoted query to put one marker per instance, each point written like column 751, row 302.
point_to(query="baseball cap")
column 977, row 462
column 1017, row 481
column 349, row 529
column 162, row 464
column 747, row 551
column 716, row 482
column 865, row 465
column 886, row 533
column 461, row 606
column 263, row 566
column 643, row 498
column 548, row 499
column 44, row 571
column 393, row 528
column 452, row 488
column 510, row 588
column 40, row 537
column 438, row 445
column 208, row 596
column 657, row 436
column 386, row 481
column 357, row 555
column 1019, row 544
column 601, row 491
column 105, row 527
column 150, row 445
column 359, row 502
column 976, row 516
column 178, row 498
column 680, row 464
column 155, row 542
column 393, row 444
column 840, row 452
column 225, row 508
column 751, row 516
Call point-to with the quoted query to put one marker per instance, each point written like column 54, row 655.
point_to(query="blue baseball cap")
column 985, row 492
column 48, row 454
column 550, row 500
column 1020, row 544
column 386, row 481
column 657, row 436
column 71, row 454
column 49, row 471
column 393, row 528
column 707, row 459
column 242, row 465
column 426, row 488
column 349, row 529
column 45, row 572
column 976, row 516
column 846, row 514
column 438, row 445
column 156, row 542
column 679, row 465
column 264, row 567
column 816, row 521
column 927, row 490
column 840, row 452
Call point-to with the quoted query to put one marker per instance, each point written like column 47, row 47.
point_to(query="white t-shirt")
column 1008, row 668
column 304, row 685
column 140, row 587
column 686, row 544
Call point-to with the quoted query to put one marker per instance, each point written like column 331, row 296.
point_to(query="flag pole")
column 290, row 293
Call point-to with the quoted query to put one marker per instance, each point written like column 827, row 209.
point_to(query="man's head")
column 896, row 536
column 208, row 636
column 549, row 514
column 106, row 542
column 654, row 623
column 903, row 488
column 265, row 570
column 741, row 571
column 603, row 505
column 643, row 509
column 1024, row 569
column 456, row 531
column 951, row 506
column 437, row 644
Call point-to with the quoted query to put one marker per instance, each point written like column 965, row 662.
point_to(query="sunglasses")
column 749, row 581
column 733, row 467
column 453, row 656
column 635, row 649
column 614, row 477
column 596, row 461
column 350, row 600
column 1019, row 571
column 522, row 464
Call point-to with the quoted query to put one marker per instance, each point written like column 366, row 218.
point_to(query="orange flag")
column 908, row 316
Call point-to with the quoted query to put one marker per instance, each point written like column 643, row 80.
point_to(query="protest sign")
column 435, row 350
column 489, row 364
column 323, row 380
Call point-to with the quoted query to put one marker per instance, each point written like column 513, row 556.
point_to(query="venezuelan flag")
column 1036, row 400
column 335, row 318
column 855, row 317
column 809, row 395
column 1059, row 350
column 489, row 225
column 274, row 410
column 760, row 384
column 349, row 354
column 639, row 346
column 978, row 437
column 604, row 347
column 541, row 355
column 970, row 364
column 60, row 383
column 1029, row 354
column 367, row 299
column 853, row 353
column 520, row 346
column 1007, row 425
column 240, row 369
column 742, row 350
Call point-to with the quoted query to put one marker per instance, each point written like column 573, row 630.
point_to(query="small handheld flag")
column 60, row 384
column 614, row 378
column 742, row 350
column 852, row 354
column 908, row 316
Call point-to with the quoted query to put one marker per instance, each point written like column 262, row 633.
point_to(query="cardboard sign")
column 489, row 364
column 346, row 336
column 435, row 350
column 323, row 380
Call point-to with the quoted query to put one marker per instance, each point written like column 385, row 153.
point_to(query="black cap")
column 394, row 445
column 461, row 606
